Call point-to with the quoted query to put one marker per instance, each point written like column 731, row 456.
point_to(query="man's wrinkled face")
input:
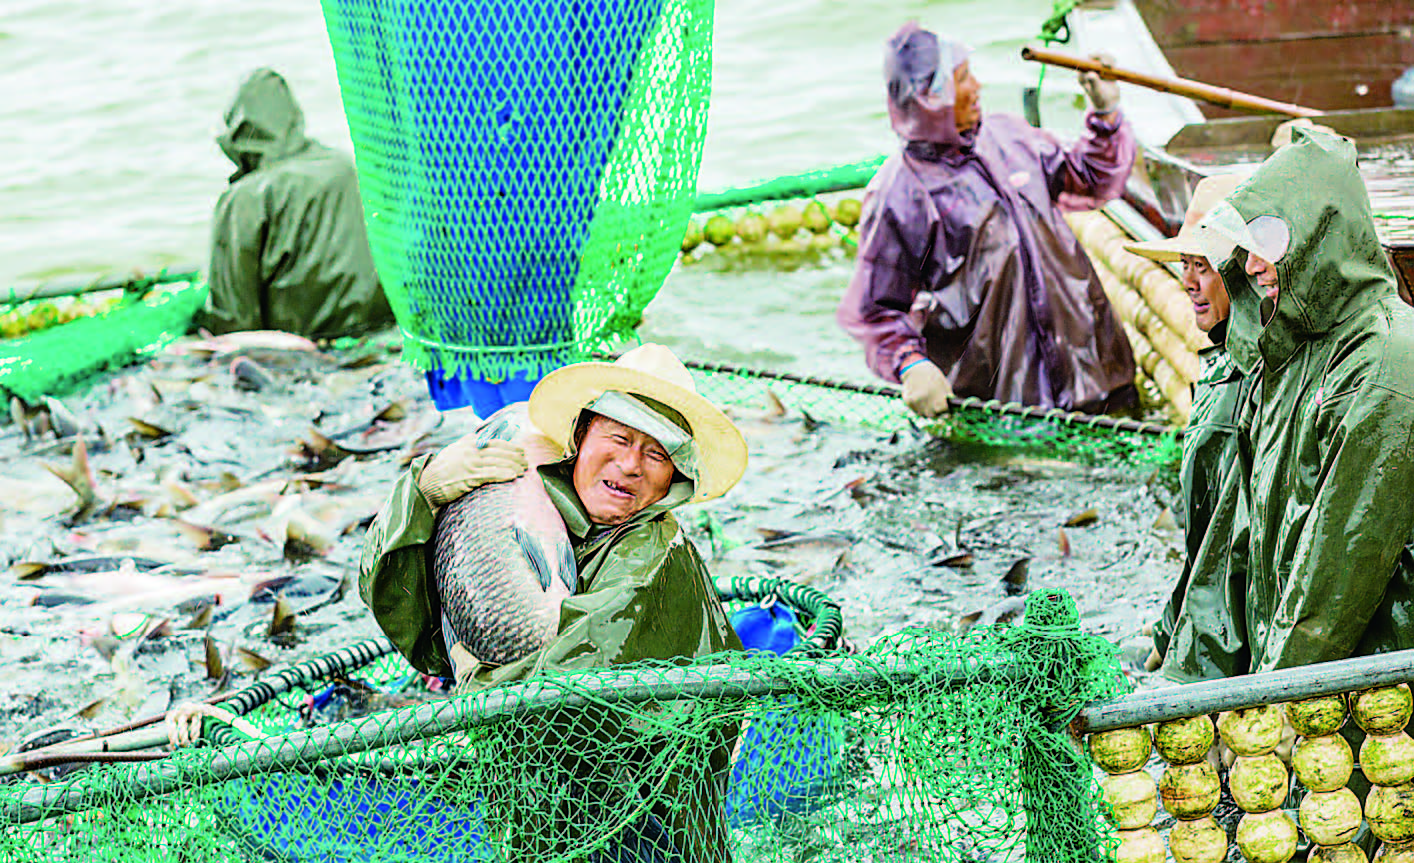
column 967, row 107
column 619, row 471
column 1206, row 291
column 1265, row 272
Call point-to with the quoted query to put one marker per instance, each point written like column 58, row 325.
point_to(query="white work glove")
column 1154, row 660
column 464, row 466
column 1103, row 92
column 926, row 389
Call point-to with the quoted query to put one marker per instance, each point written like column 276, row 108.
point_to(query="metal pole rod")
column 1236, row 693
column 85, row 749
column 835, row 676
column 140, row 735
column 131, row 281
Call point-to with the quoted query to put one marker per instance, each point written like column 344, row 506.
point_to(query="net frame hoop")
column 838, row 676
column 992, row 406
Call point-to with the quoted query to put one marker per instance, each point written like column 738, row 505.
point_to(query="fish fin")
column 395, row 412
column 78, row 476
column 535, row 554
column 774, row 406
column 967, row 621
column 1015, row 579
column 569, row 570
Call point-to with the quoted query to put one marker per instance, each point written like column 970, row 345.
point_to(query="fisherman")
column 639, row 442
column 289, row 250
column 968, row 279
column 1326, row 438
column 1201, row 634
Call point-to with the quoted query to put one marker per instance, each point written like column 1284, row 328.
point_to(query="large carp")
column 501, row 556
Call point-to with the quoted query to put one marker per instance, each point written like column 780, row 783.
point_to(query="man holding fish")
column 629, row 442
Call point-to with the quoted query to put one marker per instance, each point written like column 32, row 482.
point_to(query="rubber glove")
column 926, row 389
column 464, row 466
column 1103, row 92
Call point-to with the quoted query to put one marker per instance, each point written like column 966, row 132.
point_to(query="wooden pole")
column 1220, row 96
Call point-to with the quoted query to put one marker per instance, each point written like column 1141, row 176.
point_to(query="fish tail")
column 78, row 476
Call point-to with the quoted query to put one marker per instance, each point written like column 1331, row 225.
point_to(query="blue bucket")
column 787, row 762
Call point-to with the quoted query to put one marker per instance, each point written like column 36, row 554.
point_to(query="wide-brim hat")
column 653, row 371
column 1206, row 195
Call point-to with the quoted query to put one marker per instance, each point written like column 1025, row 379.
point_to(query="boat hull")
column 1324, row 54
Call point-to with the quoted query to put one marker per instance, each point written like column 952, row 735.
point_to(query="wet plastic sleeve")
column 1351, row 542
column 237, row 244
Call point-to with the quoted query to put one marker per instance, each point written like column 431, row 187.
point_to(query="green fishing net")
column 527, row 169
column 1084, row 438
column 51, row 360
column 926, row 746
column 836, row 178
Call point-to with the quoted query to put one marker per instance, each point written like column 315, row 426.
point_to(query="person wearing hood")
column 968, row 279
column 289, row 250
column 1201, row 633
column 644, row 592
column 1326, row 439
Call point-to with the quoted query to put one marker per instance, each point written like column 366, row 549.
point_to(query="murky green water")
column 111, row 107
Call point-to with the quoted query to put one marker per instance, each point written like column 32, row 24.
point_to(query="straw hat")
column 1208, row 192
column 653, row 371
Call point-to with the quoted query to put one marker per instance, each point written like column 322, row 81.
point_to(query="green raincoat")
column 1327, row 446
column 1201, row 634
column 289, row 250
column 644, row 593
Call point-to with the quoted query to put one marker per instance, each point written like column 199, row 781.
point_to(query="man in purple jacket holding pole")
column 968, row 279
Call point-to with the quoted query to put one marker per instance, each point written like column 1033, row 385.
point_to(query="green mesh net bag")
column 527, row 168
column 926, row 746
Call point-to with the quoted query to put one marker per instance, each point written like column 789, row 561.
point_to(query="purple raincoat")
column 964, row 256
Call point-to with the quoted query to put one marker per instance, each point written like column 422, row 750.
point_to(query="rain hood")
column 1326, row 440
column 1305, row 210
column 263, row 124
column 918, row 77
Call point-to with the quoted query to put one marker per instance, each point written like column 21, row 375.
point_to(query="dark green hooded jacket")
column 644, row 593
column 1202, row 633
column 1327, row 446
column 289, row 250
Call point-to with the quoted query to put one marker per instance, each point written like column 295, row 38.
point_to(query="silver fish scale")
column 499, row 572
